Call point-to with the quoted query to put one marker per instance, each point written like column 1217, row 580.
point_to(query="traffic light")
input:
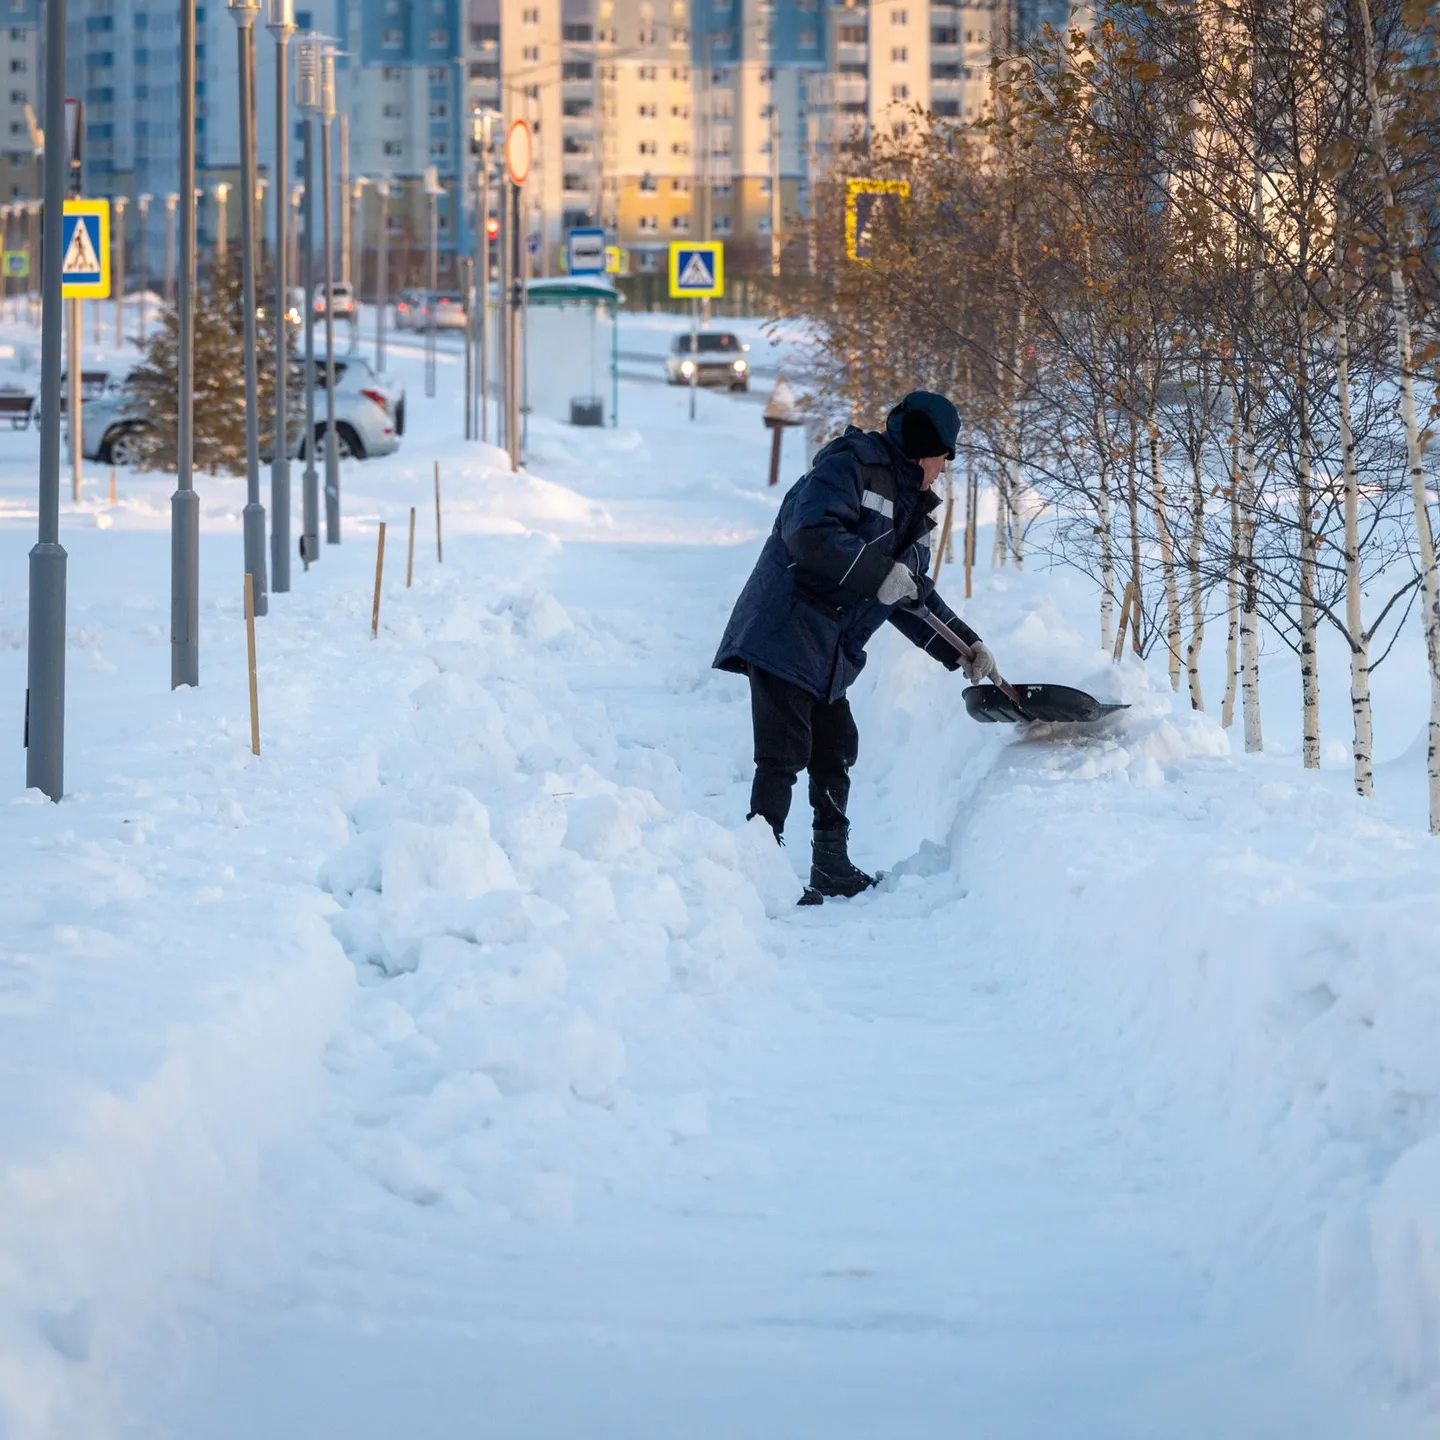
column 492, row 229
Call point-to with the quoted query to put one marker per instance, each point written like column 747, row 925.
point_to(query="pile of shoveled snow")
column 1235, row 935
column 520, row 891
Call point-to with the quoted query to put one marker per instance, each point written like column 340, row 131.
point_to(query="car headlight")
column 740, row 367
column 687, row 368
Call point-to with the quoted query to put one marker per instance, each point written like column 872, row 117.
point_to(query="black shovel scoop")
column 1001, row 703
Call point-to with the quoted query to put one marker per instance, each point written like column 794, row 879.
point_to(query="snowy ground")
column 461, row 1066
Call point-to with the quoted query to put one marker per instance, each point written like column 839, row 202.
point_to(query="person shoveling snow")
column 850, row 549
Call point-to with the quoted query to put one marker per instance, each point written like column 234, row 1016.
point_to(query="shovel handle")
column 967, row 652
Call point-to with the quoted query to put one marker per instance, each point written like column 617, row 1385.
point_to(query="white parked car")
column 342, row 296
column 719, row 355
column 440, row 310
column 369, row 415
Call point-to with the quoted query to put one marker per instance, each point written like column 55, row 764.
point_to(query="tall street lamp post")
column 354, row 198
column 222, row 218
column 280, row 21
column 120, row 202
column 172, row 200
column 307, row 98
column 184, row 503
column 142, row 204
column 382, row 279
column 45, row 671
column 244, row 13
column 332, row 455
column 433, row 193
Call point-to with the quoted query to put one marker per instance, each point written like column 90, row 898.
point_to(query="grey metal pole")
column 120, row 203
column 253, row 517
column 184, row 504
column 467, row 289
column 433, row 281
column 345, row 231
column 485, row 289
column 382, row 279
column 280, row 22
column 512, row 339
column 310, row 505
column 142, row 204
column 694, row 352
column 332, row 457
column 171, row 201
column 45, row 670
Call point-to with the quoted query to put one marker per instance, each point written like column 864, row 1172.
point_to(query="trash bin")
column 587, row 410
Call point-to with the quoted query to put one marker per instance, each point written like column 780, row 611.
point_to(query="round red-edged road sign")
column 519, row 151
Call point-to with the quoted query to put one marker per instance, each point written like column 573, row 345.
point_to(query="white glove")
column 897, row 587
column 981, row 664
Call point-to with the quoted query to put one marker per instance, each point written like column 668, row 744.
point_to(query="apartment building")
column 20, row 79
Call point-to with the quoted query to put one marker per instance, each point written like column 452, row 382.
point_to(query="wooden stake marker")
column 1130, row 602
column 379, row 572
column 112, row 484
column 410, row 552
column 250, row 655
column 944, row 537
column 439, row 548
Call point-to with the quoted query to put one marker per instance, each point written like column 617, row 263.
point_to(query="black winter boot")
column 831, row 873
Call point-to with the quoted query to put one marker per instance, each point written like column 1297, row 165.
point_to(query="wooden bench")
column 17, row 409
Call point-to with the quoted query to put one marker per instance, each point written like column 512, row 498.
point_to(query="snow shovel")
column 1001, row 703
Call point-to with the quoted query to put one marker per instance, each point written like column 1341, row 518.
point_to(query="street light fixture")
column 244, row 13
column 332, row 457
column 307, row 98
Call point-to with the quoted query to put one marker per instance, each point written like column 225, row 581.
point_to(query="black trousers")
column 793, row 732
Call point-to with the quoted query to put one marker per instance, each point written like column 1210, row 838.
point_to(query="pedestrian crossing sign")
column 85, row 250
column 697, row 269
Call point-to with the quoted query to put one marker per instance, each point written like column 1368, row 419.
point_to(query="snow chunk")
column 1405, row 1244
column 766, row 865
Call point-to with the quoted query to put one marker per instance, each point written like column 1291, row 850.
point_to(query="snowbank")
column 1224, row 927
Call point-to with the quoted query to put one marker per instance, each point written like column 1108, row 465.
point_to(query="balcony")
column 852, row 55
column 851, row 90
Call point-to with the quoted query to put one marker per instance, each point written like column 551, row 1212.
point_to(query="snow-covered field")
column 462, row 1067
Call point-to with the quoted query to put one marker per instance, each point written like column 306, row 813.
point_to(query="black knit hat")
column 924, row 424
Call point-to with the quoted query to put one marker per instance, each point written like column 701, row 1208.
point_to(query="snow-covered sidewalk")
column 462, row 1065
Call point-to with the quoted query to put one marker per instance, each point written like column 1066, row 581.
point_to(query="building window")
column 531, row 56
column 899, row 92
column 645, row 35
column 679, row 37
column 649, row 224
column 648, row 185
column 721, row 224
column 393, row 112
column 680, row 224
column 439, row 110
column 649, row 147
column 529, row 16
column 439, row 38
column 679, row 148
column 681, row 185
column 899, row 17
column 20, row 97
column 899, row 55
column 391, row 40
column 648, row 111
column 392, row 149
column 390, row 73
column 439, row 149
column 679, row 112
column 18, row 67
column 721, row 187
column 439, row 75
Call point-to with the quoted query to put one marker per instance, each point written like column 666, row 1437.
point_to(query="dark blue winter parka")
column 810, row 605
